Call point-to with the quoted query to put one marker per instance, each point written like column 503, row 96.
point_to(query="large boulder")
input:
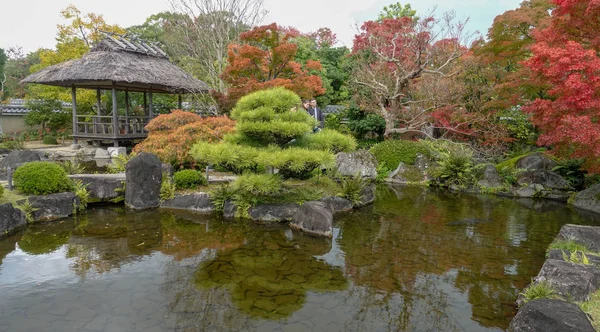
column 588, row 199
column 572, row 281
column 229, row 209
column 536, row 161
column 337, row 204
column 11, row 218
column 143, row 181
column 586, row 235
column 545, row 315
column 54, row 206
column 407, row 174
column 361, row 163
column 199, row 202
column 490, row 177
column 101, row 154
column 102, row 187
column 313, row 218
column 19, row 157
column 559, row 254
column 274, row 212
column 547, row 179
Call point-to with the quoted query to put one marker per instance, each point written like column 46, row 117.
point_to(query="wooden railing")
column 102, row 126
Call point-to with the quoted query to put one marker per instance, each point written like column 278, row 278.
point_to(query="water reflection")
column 417, row 260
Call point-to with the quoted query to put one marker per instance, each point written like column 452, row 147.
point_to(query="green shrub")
column 393, row 152
column 455, row 167
column 295, row 163
column 71, row 167
column 249, row 189
column 274, row 132
column 232, row 157
column 41, row 178
column 16, row 143
column 167, row 188
column 568, row 245
column 570, row 169
column 278, row 99
column 49, row 139
column 328, row 139
column 592, row 308
column 82, row 193
column 1, row 191
column 189, row 178
column 221, row 194
column 119, row 164
column 352, row 188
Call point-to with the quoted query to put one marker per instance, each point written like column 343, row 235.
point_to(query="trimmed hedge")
column 189, row 178
column 50, row 140
column 41, row 178
column 393, row 152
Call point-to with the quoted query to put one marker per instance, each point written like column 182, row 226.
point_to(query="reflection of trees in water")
column 269, row 275
column 407, row 236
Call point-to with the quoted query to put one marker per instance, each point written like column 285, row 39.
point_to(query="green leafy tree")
column 17, row 68
column 396, row 10
column 3, row 60
column 47, row 113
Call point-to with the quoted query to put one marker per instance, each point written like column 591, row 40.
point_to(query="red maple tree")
column 565, row 56
column 265, row 59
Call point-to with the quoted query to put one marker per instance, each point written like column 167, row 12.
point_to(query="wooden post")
column 98, row 102
column 145, row 103
column 150, row 106
column 115, row 116
column 74, row 106
column 179, row 102
column 126, row 111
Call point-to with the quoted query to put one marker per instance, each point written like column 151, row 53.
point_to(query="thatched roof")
column 130, row 64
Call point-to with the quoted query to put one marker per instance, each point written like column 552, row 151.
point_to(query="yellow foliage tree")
column 74, row 39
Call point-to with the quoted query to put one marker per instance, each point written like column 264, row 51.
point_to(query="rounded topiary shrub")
column 189, row 178
column 41, row 178
column 50, row 140
column 393, row 152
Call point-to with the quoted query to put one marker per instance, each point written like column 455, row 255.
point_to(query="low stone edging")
column 102, row 187
column 572, row 281
column 53, row 206
column 198, row 202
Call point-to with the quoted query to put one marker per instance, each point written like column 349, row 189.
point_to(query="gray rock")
column 313, row 218
column 536, row 161
column 19, row 157
column 528, row 191
column 229, row 209
column 101, row 154
column 54, row 206
column 490, row 177
column 546, row 315
column 407, row 174
column 337, row 204
column 586, row 235
column 360, row 162
column 367, row 196
column 573, row 281
column 588, row 199
column 102, row 187
column 274, row 212
column 143, row 181
column 75, row 146
column 116, row 151
column 423, row 163
column 547, row 179
column 199, row 202
column 11, row 218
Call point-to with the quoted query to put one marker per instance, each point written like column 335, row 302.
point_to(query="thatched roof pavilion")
column 118, row 64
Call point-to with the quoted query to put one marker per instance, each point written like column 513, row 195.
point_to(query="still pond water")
column 417, row 260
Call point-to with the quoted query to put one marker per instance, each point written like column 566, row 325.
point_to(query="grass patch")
column 11, row 196
column 539, row 290
column 592, row 308
column 569, row 245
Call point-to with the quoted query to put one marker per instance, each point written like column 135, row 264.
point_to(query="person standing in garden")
column 316, row 113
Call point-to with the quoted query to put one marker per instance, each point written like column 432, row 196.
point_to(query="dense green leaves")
column 41, row 178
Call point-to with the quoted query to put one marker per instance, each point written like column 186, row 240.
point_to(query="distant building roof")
column 18, row 107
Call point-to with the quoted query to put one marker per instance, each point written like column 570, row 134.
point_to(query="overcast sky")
column 32, row 23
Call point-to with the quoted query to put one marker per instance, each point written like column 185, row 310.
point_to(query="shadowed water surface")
column 417, row 260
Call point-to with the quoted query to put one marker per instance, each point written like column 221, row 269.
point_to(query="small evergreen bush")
column 41, row 178
column 189, row 178
column 393, row 152
column 295, row 162
column 232, row 157
column 455, row 168
column 167, row 188
column 328, row 139
column 50, row 140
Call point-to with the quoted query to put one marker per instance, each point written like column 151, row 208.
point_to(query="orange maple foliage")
column 264, row 60
column 171, row 136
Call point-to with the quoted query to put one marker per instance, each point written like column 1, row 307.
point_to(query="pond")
column 416, row 260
